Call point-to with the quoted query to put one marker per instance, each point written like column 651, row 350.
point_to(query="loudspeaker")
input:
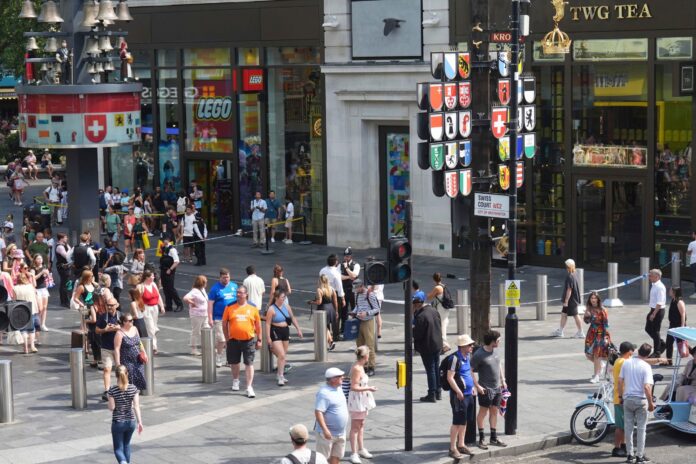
column 18, row 314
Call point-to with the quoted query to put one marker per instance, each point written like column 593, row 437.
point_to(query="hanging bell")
column 28, row 11
column 31, row 44
column 91, row 68
column 100, row 67
column 123, row 12
column 49, row 13
column 109, row 66
column 90, row 10
column 44, row 68
column 51, row 45
column 105, row 44
column 106, row 11
column 91, row 46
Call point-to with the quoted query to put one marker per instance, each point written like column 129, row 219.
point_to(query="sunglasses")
column 128, row 320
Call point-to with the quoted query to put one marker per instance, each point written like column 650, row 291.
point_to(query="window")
column 168, row 126
column 208, row 110
column 206, row 57
column 251, row 153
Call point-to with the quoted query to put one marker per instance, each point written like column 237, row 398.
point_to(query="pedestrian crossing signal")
column 399, row 254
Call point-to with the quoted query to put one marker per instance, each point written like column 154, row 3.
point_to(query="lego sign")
column 252, row 80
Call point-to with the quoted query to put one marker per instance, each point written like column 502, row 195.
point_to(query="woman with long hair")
column 154, row 306
column 137, row 311
column 435, row 297
column 137, row 267
column 129, row 232
column 327, row 301
column 9, row 259
column 197, row 299
column 597, row 340
column 279, row 317
column 127, row 347
column 360, row 402
column 676, row 317
column 40, row 273
column 83, row 298
column 279, row 282
column 24, row 290
column 124, row 402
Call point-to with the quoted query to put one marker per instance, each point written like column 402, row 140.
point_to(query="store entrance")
column 215, row 179
column 609, row 222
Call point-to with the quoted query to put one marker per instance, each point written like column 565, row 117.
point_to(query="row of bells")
column 92, row 46
column 93, row 12
column 92, row 68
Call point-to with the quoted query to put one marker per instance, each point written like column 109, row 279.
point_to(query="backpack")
column 446, row 300
column 312, row 458
column 445, row 367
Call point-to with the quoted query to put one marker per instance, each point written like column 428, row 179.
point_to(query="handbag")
column 142, row 356
column 350, row 329
column 133, row 279
column 50, row 283
column 146, row 241
column 158, row 251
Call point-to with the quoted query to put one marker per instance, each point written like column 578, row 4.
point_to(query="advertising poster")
column 398, row 181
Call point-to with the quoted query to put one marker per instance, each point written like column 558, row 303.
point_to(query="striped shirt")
column 123, row 411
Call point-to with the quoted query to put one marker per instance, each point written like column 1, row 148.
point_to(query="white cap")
column 332, row 372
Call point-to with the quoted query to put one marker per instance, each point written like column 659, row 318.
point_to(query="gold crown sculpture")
column 557, row 41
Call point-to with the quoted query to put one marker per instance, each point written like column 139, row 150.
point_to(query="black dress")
column 130, row 347
column 674, row 318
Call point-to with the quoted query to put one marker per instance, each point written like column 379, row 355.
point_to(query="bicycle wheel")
column 589, row 424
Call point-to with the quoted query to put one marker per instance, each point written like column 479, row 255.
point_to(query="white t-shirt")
column 334, row 275
column 303, row 455
column 189, row 221
column 255, row 288
column 658, row 294
column 635, row 373
column 289, row 211
column 53, row 194
column 108, row 199
column 258, row 210
column 692, row 249
column 174, row 254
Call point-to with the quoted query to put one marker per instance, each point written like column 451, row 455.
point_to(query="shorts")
column 336, row 447
column 238, row 348
column 188, row 241
column 462, row 411
column 108, row 358
column 288, row 224
column 127, row 237
column 280, row 333
column 358, row 415
column 491, row 398
column 42, row 292
column 570, row 310
column 219, row 333
column 619, row 416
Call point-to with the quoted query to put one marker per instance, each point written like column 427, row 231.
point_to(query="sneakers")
column 235, row 385
column 557, row 333
column 272, row 240
column 482, row 444
column 642, row 459
column 44, row 328
column 195, row 353
column 579, row 334
column 496, row 442
column 288, row 367
column 428, row 399
column 287, row 241
column 630, row 459
column 332, row 346
column 218, row 363
column 355, row 458
column 594, row 379
column 250, row 392
column 365, row 454
column 281, row 381
column 619, row 453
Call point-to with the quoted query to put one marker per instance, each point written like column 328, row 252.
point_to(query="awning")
column 8, row 94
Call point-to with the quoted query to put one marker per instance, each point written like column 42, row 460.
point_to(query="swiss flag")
column 95, row 127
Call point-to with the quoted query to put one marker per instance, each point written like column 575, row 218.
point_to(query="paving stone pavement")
column 191, row 421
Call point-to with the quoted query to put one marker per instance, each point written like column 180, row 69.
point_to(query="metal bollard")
column 6, row 395
column 208, row 355
column 78, row 381
column 645, row 283
column 613, row 300
column 266, row 355
column 149, row 368
column 580, row 275
column 676, row 269
column 542, row 297
column 320, row 348
column 502, row 309
column 463, row 312
column 376, row 332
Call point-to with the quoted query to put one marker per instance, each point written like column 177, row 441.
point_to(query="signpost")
column 492, row 205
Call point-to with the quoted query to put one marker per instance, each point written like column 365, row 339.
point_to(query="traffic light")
column 376, row 272
column 398, row 254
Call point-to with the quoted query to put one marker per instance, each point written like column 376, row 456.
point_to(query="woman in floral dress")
column 598, row 339
column 126, row 349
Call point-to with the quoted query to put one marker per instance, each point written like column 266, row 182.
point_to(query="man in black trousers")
column 168, row 264
column 427, row 340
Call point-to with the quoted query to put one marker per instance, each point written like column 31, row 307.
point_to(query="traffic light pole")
column 408, row 338
column 512, row 321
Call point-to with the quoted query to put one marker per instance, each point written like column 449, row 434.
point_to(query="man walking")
column 427, row 340
column 350, row 270
column 272, row 207
column 367, row 307
column 107, row 326
column 334, row 275
column 258, row 215
column 570, row 298
column 331, row 414
column 189, row 221
column 62, row 250
column 653, row 321
column 168, row 264
column 200, row 234
column 301, row 454
column 242, row 326
column 220, row 296
column 636, row 395
column 255, row 286
column 491, row 377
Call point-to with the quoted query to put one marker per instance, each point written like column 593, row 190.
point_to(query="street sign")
column 513, row 292
column 501, row 36
column 492, row 205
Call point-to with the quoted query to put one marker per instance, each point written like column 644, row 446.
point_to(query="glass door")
column 609, row 221
column 215, row 180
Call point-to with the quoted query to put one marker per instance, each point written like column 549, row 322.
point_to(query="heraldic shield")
column 504, row 176
column 465, row 181
column 451, row 184
column 437, row 156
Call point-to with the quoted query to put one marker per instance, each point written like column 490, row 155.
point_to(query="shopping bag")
column 350, row 329
column 146, row 241
column 158, row 253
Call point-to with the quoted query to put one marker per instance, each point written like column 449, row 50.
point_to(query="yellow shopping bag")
column 146, row 241
column 159, row 248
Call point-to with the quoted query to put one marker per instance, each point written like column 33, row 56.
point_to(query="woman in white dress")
column 360, row 401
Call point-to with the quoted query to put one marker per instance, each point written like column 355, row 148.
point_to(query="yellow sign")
column 513, row 292
column 119, row 120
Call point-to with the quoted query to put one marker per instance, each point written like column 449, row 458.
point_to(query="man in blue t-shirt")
column 462, row 386
column 221, row 295
column 272, row 205
column 331, row 414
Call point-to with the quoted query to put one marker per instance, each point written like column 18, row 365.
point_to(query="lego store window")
column 208, row 110
column 168, row 129
column 251, row 153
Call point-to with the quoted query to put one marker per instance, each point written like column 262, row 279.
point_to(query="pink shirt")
column 199, row 300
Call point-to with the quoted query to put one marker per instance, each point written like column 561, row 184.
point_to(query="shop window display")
column 208, row 109
column 206, row 57
column 250, row 154
column 169, row 130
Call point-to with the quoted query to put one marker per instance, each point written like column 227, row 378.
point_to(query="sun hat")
column 464, row 340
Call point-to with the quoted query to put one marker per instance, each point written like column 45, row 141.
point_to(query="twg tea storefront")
column 611, row 180
column 232, row 99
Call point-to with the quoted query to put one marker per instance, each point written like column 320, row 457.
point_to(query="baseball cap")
column 464, row 340
column 348, row 251
column 419, row 297
column 332, row 372
column 299, row 433
column 625, row 347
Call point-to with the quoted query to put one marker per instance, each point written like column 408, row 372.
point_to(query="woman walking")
column 153, row 305
column 127, row 347
column 279, row 317
column 360, row 401
column 129, row 232
column 598, row 339
column 435, row 297
column 137, row 311
column 327, row 301
column 197, row 299
column 137, row 267
column 83, row 298
column 40, row 273
column 24, row 290
column 676, row 317
column 279, row 282
column 124, row 401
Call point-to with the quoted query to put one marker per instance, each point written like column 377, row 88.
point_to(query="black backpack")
column 80, row 257
column 446, row 300
column 294, row 460
column 445, row 367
